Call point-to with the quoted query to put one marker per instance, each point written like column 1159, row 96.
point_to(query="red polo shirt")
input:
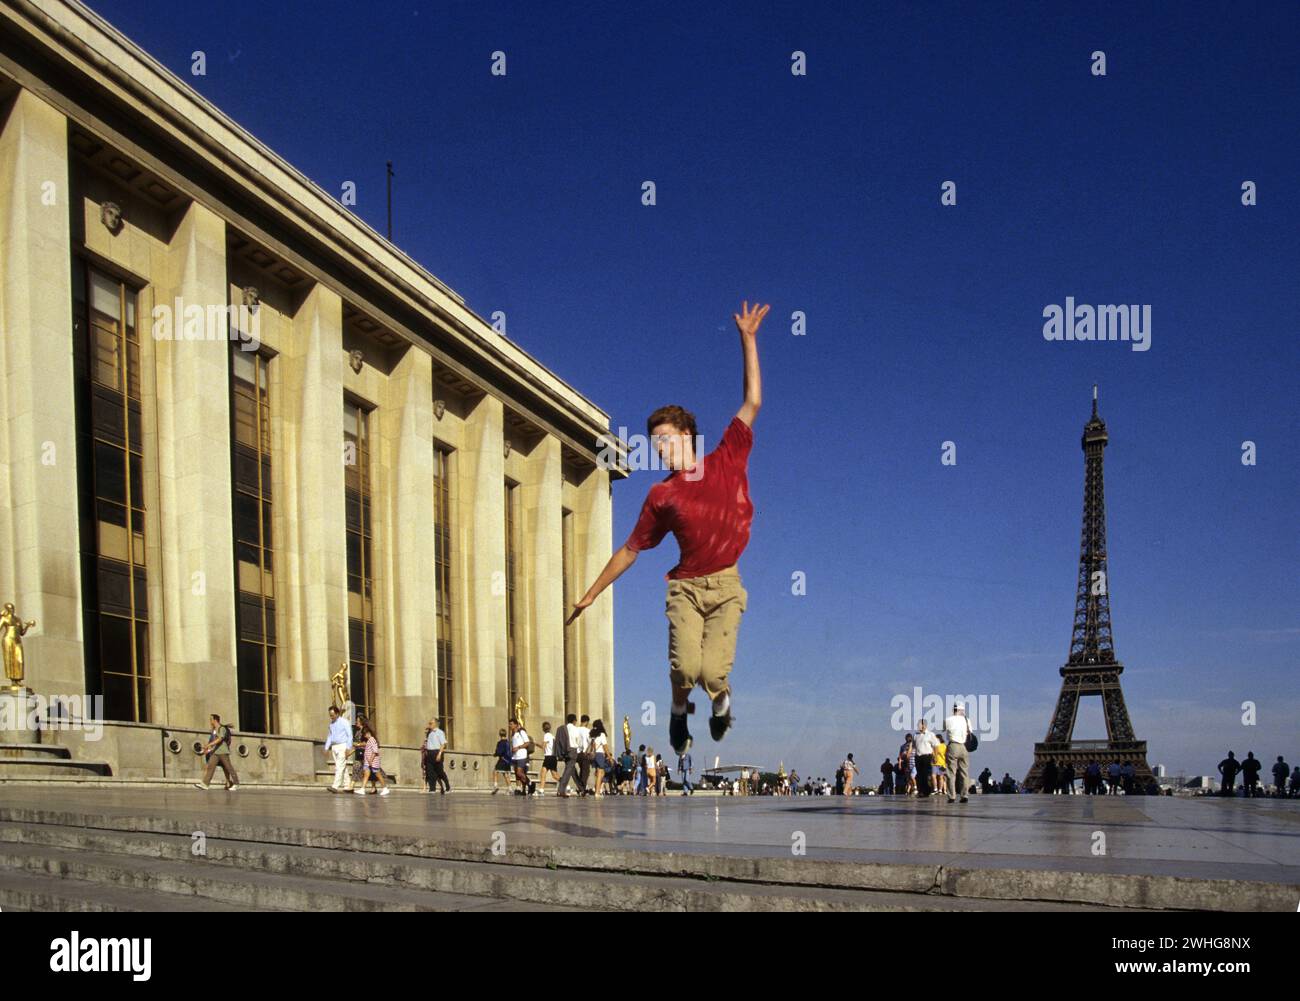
column 708, row 509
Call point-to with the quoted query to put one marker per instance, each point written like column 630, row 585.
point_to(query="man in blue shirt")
column 684, row 768
column 338, row 745
column 436, row 747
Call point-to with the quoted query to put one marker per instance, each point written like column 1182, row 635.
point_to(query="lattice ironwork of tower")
column 1091, row 668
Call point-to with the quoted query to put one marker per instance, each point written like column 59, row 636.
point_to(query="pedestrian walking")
column 504, row 766
column 435, row 748
column 371, row 762
column 685, row 765
column 338, row 748
column 600, row 753
column 566, row 743
column 850, row 769
column 550, row 764
column 521, row 746
column 216, row 753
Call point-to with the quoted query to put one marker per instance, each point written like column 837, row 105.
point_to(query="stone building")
column 244, row 439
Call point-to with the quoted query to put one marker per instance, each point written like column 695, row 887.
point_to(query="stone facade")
column 208, row 213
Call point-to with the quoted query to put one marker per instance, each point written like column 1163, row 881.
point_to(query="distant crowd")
column 1249, row 770
column 577, row 754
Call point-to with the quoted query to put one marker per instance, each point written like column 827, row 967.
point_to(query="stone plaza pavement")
column 995, row 852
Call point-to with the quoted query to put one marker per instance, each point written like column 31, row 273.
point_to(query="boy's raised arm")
column 747, row 322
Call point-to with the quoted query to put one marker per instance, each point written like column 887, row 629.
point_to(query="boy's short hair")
column 678, row 417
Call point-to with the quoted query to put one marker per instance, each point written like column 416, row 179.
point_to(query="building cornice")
column 412, row 301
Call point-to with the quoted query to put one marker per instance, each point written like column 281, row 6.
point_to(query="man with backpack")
column 958, row 728
column 217, row 752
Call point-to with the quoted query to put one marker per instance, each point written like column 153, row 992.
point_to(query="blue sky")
column 821, row 194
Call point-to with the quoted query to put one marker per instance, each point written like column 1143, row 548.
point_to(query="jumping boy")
column 705, row 504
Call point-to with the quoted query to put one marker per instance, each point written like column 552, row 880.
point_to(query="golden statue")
column 341, row 695
column 520, row 706
column 627, row 735
column 339, row 682
column 12, row 630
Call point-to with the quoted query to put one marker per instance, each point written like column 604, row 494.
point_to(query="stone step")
column 51, row 768
column 20, row 891
column 243, row 890
column 1055, row 885
column 519, row 885
column 8, row 751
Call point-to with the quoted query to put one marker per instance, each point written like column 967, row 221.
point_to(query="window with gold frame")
column 442, row 529
column 512, row 659
column 570, row 681
column 110, row 441
column 357, row 503
column 251, row 465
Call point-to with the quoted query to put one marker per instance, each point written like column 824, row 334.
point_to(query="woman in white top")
column 850, row 773
column 600, row 747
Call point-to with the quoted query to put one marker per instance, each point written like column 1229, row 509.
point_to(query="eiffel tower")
column 1091, row 668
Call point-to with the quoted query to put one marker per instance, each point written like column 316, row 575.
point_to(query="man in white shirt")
column 958, row 728
column 519, row 742
column 338, row 745
column 925, row 741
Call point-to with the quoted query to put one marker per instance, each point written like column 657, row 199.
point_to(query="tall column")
column 310, row 518
column 595, row 638
column 480, row 537
column 405, row 550
column 197, row 583
column 39, row 542
column 543, row 542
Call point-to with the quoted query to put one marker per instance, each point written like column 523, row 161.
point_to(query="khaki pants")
column 227, row 770
column 958, row 770
column 703, row 621
column 342, row 773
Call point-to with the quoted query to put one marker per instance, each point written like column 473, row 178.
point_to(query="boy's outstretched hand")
column 747, row 320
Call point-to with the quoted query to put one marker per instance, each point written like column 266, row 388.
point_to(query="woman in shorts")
column 600, row 746
column 370, row 762
column 651, row 773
